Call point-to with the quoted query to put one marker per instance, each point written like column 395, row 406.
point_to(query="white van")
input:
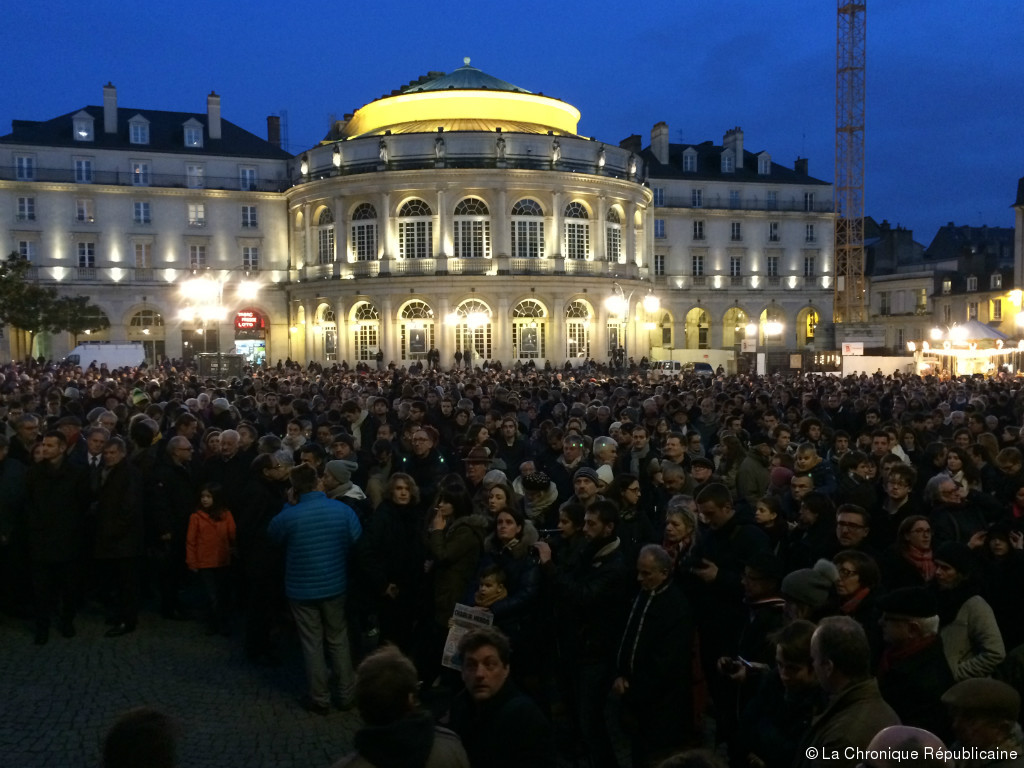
column 111, row 355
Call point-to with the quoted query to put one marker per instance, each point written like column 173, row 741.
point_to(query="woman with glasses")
column 857, row 590
column 634, row 528
column 910, row 561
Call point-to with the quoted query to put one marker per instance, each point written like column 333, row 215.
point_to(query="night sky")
column 945, row 104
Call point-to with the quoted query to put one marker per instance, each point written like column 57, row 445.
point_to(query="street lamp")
column 204, row 301
column 618, row 304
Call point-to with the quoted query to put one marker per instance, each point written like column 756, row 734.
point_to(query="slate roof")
column 166, row 134
column 709, row 166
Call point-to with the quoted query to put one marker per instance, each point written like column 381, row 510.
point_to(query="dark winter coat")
column 913, row 686
column 56, row 499
column 412, row 742
column 455, row 551
column 118, row 532
column 506, row 731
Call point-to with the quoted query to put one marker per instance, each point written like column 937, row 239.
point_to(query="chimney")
column 659, row 142
column 274, row 130
column 213, row 115
column 800, row 166
column 109, row 108
column 733, row 140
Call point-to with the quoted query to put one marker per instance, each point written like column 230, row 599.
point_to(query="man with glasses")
column 853, row 525
column 423, row 463
column 897, row 504
column 959, row 514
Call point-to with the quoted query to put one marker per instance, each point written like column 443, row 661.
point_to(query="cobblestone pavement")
column 57, row 700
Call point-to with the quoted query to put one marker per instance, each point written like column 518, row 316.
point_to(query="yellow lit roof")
column 466, row 99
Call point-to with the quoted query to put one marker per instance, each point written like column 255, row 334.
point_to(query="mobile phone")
column 744, row 662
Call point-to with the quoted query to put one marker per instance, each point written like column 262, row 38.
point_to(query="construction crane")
column 849, row 177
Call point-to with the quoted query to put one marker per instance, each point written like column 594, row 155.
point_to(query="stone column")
column 442, row 228
column 502, row 328
column 554, row 224
column 629, row 235
column 307, row 225
column 340, row 231
column 600, row 239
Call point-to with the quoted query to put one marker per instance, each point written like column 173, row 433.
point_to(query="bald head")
column 900, row 739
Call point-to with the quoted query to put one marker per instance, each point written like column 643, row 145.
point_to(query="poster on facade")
column 418, row 341
column 529, row 340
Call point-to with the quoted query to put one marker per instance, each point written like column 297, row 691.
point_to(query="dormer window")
column 138, row 130
column 83, row 127
column 728, row 162
column 996, row 281
column 764, row 164
column 947, row 287
column 193, row 134
column 690, row 161
column 972, row 283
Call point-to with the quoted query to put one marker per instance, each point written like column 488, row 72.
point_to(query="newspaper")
column 464, row 618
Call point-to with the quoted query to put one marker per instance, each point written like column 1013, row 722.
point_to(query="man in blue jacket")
column 318, row 535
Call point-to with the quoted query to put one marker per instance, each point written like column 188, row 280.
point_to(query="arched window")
column 473, row 331
column 472, row 229
column 416, row 329
column 613, row 235
column 146, row 318
column 577, row 329
column 577, row 232
column 415, row 230
column 364, row 232
column 527, row 229
column 147, row 326
column 365, row 331
column 325, row 237
column 529, row 330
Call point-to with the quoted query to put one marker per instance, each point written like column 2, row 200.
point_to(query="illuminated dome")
column 464, row 100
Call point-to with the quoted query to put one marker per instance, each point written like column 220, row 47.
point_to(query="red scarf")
column 922, row 560
column 853, row 603
column 892, row 655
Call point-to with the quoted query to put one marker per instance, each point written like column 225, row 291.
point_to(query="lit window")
column 83, row 129
column 527, row 229
column 947, row 286
column 996, row 281
column 972, row 310
column 193, row 136
column 997, row 309
column 472, row 229
column 415, row 230
column 577, row 231
column 364, row 232
column 84, row 211
column 325, row 237
column 140, row 174
column 197, row 214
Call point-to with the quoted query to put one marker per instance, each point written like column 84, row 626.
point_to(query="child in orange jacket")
column 208, row 547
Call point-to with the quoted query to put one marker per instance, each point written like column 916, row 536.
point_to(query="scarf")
column 634, row 459
column 922, row 560
column 854, row 601
column 890, row 656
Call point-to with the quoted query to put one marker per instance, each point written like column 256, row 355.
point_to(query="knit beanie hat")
column 537, row 481
column 957, row 555
column 811, row 586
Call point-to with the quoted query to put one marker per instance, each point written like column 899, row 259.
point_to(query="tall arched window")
column 527, row 229
column 416, row 329
column 529, row 330
column 364, row 232
column 147, row 326
column 577, row 232
column 473, row 330
column 365, row 331
column 325, row 237
column 613, row 235
column 415, row 230
column 472, row 229
column 577, row 329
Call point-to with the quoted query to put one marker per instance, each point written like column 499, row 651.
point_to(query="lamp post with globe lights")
column 203, row 301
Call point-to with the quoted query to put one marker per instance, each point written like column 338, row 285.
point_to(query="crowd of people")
column 786, row 567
